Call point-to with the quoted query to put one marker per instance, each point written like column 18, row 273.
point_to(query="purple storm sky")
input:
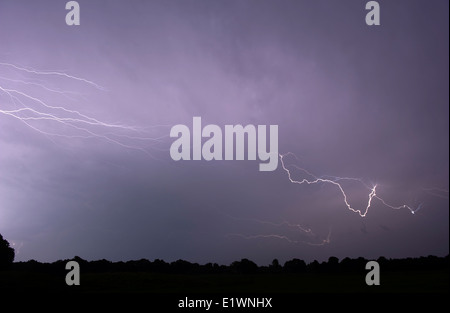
column 350, row 101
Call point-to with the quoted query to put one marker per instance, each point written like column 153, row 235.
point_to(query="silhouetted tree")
column 314, row 266
column 346, row 265
column 245, row 266
column 295, row 266
column 160, row 266
column 182, row 266
column 6, row 253
column 100, row 265
column 275, row 267
column 333, row 264
column 353, row 265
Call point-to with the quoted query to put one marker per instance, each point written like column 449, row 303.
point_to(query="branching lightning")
column 437, row 192
column 311, row 179
column 335, row 181
column 53, row 73
column 285, row 238
column 297, row 230
column 37, row 113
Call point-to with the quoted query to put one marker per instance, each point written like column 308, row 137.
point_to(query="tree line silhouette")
column 244, row 266
column 6, row 253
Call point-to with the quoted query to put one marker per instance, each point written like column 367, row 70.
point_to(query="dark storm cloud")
column 350, row 100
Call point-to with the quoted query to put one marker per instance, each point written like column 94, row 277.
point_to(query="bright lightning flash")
column 37, row 113
column 310, row 180
column 298, row 231
column 315, row 180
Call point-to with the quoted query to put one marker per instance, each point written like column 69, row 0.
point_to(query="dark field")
column 429, row 281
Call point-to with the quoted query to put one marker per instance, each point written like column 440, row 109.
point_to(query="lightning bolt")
column 335, row 181
column 36, row 112
column 437, row 192
column 52, row 73
column 286, row 225
column 325, row 241
column 311, row 179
